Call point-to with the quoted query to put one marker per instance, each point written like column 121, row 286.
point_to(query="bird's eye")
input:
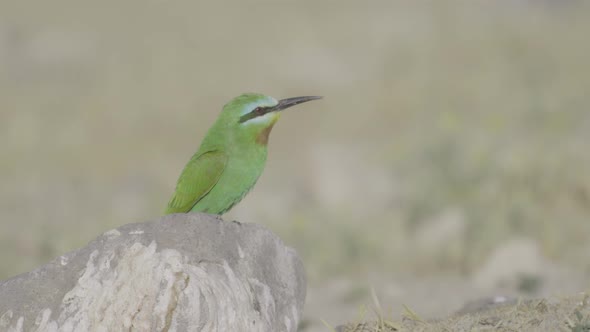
column 258, row 110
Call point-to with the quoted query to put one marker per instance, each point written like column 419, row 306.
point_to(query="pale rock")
column 183, row 272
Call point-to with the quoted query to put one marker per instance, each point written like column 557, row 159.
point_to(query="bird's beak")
column 286, row 103
column 283, row 104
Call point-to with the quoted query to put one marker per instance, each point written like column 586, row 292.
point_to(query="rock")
column 516, row 259
column 183, row 272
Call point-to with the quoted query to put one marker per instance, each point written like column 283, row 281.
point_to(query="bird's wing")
column 198, row 177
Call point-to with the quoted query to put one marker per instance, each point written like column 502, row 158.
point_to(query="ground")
column 565, row 314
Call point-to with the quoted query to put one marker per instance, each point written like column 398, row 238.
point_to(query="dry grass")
column 563, row 314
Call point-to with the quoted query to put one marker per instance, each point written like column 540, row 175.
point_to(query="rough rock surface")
column 183, row 272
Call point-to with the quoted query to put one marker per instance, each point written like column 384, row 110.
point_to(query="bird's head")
column 252, row 115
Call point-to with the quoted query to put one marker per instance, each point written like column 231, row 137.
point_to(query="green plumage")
column 231, row 157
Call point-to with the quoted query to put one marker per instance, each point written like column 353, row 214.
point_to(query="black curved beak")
column 289, row 102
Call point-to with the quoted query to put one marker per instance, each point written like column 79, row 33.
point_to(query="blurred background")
column 448, row 162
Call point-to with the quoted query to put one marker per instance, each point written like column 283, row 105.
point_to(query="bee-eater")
column 231, row 156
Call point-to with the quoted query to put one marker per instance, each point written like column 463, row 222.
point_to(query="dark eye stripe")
column 258, row 111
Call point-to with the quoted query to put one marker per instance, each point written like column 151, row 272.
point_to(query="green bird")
column 231, row 156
